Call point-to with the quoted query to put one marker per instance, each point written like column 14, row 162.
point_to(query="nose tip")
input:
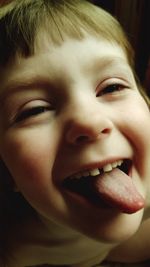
column 80, row 133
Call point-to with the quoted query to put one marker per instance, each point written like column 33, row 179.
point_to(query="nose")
column 87, row 126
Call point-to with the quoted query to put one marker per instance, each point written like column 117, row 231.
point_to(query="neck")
column 76, row 246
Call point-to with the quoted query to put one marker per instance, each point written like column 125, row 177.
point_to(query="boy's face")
column 70, row 109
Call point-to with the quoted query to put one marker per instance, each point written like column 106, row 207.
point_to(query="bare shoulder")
column 136, row 248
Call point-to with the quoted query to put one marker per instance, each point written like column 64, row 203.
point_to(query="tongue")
column 117, row 189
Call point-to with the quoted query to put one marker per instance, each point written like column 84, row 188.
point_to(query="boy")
column 74, row 138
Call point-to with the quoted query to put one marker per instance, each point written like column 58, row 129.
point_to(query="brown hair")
column 21, row 20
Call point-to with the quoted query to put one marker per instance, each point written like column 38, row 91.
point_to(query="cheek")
column 136, row 123
column 31, row 165
column 133, row 121
column 141, row 132
column 29, row 157
column 137, row 130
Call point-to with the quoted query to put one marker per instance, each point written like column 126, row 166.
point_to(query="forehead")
column 70, row 57
column 87, row 47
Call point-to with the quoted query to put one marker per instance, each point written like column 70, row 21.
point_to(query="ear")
column 7, row 182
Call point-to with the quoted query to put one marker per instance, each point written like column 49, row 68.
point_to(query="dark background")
column 134, row 16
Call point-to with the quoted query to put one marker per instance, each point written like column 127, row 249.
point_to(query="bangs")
column 21, row 21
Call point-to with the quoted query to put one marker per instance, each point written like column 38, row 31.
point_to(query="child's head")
column 70, row 106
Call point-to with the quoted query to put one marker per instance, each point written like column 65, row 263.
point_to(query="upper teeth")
column 93, row 172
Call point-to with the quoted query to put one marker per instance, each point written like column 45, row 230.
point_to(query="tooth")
column 119, row 162
column 114, row 164
column 94, row 172
column 107, row 168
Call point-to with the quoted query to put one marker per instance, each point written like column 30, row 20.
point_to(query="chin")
column 115, row 230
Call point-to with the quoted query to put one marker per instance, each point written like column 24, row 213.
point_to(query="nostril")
column 84, row 130
column 106, row 131
column 81, row 139
column 78, row 139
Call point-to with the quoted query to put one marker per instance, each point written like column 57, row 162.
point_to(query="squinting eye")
column 34, row 111
column 110, row 89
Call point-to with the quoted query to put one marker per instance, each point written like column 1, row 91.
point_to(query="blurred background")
column 134, row 16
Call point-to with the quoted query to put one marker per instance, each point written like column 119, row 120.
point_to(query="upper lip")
column 94, row 165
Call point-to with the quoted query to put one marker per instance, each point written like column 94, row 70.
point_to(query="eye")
column 111, row 89
column 32, row 112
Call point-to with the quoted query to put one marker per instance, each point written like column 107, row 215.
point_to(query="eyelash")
column 37, row 110
column 34, row 111
column 111, row 89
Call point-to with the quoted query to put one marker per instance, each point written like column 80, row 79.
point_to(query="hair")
column 20, row 23
column 21, row 20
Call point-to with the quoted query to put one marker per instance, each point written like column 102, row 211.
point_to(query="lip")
column 95, row 165
column 79, row 189
column 84, row 203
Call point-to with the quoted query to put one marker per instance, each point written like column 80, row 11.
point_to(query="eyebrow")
column 29, row 83
column 109, row 61
column 38, row 81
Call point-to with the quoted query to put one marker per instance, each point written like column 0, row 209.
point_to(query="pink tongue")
column 117, row 189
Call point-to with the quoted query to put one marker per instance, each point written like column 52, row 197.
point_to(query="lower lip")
column 84, row 202
column 98, row 205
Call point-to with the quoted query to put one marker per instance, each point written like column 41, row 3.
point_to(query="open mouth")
column 82, row 183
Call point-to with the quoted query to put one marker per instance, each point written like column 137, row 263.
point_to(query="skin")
column 82, row 126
